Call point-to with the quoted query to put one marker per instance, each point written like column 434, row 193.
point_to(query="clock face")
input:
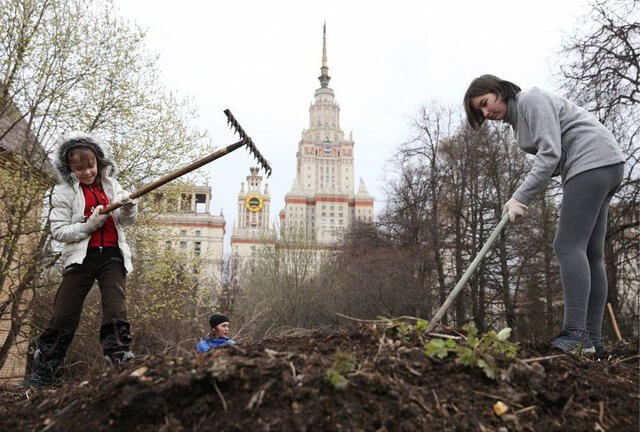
column 253, row 203
column 327, row 145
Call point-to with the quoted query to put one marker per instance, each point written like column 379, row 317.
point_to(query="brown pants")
column 107, row 267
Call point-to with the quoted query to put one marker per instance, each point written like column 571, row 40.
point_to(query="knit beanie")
column 217, row 319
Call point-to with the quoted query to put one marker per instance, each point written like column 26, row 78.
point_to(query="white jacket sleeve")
column 62, row 227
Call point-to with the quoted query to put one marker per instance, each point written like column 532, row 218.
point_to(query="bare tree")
column 416, row 211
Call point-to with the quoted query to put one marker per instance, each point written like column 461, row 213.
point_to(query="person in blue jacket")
column 218, row 336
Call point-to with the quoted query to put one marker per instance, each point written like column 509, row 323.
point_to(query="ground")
column 283, row 384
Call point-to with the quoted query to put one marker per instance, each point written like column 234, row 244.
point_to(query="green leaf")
column 471, row 329
column 489, row 370
column 504, row 334
column 437, row 342
column 436, row 348
column 466, row 356
column 450, row 343
column 336, row 380
column 421, row 326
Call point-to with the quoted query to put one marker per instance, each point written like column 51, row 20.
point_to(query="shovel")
column 463, row 280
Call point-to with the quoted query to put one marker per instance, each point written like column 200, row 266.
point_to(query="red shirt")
column 107, row 235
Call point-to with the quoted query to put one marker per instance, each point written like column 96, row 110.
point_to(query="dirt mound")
column 301, row 383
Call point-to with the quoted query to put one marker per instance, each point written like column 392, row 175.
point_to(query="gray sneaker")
column 574, row 342
column 601, row 351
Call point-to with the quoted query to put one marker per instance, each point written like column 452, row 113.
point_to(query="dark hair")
column 82, row 150
column 482, row 85
column 217, row 319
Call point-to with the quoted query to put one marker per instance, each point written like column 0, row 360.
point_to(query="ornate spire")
column 324, row 70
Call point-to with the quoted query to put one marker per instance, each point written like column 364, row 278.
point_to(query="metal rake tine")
column 248, row 142
column 234, row 124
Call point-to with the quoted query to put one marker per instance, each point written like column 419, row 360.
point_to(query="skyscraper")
column 322, row 199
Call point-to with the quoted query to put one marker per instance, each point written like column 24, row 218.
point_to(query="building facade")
column 194, row 230
column 322, row 200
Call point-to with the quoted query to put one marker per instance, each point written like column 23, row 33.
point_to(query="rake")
column 245, row 140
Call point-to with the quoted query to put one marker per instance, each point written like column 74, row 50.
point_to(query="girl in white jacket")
column 94, row 248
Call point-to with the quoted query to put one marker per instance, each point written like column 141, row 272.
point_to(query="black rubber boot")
column 115, row 340
column 43, row 376
column 52, row 348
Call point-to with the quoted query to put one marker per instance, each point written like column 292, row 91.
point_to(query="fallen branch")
column 358, row 319
column 418, row 402
column 435, row 395
column 527, row 409
column 224, row 402
column 614, row 322
column 535, row 359
column 622, row 360
column 445, row 336
column 601, row 414
column 383, row 320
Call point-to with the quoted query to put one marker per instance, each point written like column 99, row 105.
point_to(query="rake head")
column 233, row 124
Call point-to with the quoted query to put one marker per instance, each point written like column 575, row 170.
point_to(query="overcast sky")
column 261, row 59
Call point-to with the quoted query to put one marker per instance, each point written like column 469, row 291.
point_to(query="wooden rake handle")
column 472, row 267
column 177, row 173
column 245, row 140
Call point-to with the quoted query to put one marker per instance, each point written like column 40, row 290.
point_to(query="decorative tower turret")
column 252, row 225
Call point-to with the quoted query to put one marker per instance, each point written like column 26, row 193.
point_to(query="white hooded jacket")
column 67, row 214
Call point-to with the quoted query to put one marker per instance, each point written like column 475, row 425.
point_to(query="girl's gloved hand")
column 96, row 220
column 515, row 209
column 127, row 202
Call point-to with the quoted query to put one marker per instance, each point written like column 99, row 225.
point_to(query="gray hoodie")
column 566, row 139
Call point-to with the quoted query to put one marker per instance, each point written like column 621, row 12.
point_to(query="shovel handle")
column 472, row 267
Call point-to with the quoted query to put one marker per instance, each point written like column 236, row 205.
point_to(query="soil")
column 281, row 384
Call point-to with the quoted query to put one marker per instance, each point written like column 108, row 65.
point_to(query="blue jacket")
column 210, row 342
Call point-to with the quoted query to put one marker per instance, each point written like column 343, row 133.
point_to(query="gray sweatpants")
column 579, row 246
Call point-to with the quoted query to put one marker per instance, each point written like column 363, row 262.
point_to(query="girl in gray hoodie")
column 567, row 141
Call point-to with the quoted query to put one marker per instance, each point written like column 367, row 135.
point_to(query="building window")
column 199, row 233
column 201, row 203
column 197, row 247
column 167, row 244
column 183, row 245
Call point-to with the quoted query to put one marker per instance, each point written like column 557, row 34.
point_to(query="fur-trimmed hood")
column 77, row 139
